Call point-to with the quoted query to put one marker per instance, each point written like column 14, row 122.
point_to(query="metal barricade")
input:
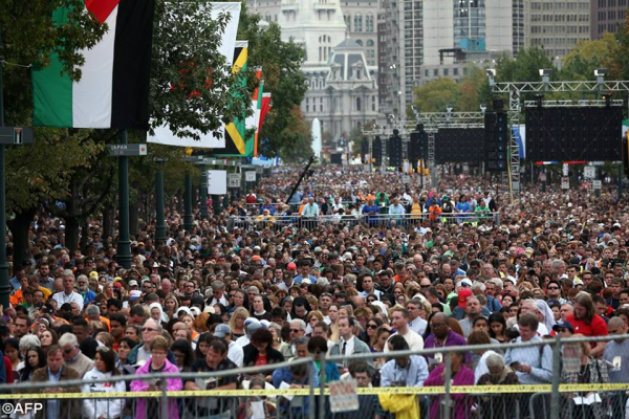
column 313, row 399
column 406, row 222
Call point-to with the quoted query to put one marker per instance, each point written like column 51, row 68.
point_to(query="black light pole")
column 203, row 192
column 5, row 287
column 188, row 220
column 124, row 243
column 160, row 227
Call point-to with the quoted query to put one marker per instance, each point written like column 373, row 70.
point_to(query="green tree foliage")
column 190, row 81
column 28, row 36
column 281, row 70
column 437, row 95
column 297, row 145
column 619, row 59
column 525, row 67
column 579, row 64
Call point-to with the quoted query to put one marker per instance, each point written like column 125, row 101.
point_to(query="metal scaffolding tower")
column 515, row 91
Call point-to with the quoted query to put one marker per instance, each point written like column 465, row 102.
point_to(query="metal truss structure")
column 515, row 90
column 567, row 103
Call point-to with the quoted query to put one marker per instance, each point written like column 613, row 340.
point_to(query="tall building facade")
column 607, row 16
column 427, row 39
column 343, row 95
column 361, row 19
column 340, row 41
column 556, row 25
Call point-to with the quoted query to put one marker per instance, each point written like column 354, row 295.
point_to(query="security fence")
column 406, row 221
column 304, row 400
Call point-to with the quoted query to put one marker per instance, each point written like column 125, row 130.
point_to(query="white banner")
column 163, row 135
column 217, row 182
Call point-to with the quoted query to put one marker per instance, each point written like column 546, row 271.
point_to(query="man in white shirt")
column 416, row 323
column 399, row 321
column 68, row 295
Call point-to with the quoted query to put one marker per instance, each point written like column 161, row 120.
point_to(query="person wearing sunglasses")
column 142, row 352
column 72, row 355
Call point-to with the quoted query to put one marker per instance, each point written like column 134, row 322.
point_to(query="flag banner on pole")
column 252, row 144
column 163, row 134
column 113, row 91
column 235, row 131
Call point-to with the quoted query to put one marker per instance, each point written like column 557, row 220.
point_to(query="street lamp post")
column 188, row 220
column 160, row 227
column 204, row 211
column 123, row 254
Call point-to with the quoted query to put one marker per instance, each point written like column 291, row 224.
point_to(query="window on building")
column 369, row 26
column 358, row 104
column 358, row 22
column 348, row 21
column 359, row 42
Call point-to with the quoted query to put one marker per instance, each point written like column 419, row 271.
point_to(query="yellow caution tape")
column 487, row 389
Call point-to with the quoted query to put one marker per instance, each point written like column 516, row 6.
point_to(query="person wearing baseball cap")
column 235, row 352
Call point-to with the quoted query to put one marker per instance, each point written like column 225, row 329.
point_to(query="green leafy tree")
column 298, row 145
column 28, row 37
column 192, row 88
column 524, row 67
column 618, row 64
column 437, row 95
column 41, row 173
column 281, row 63
column 580, row 63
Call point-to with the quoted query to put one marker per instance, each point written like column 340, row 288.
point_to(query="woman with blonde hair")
column 237, row 321
column 171, row 305
column 312, row 318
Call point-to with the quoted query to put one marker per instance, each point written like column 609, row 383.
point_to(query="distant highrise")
column 556, row 26
column 341, row 48
column 607, row 16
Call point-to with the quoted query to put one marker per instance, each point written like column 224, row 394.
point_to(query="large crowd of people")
column 466, row 267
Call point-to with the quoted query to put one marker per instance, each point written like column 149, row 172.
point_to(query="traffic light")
column 395, row 149
column 376, row 151
column 496, row 140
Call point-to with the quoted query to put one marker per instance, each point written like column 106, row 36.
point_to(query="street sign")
column 16, row 135
column 589, row 172
column 128, row 150
column 597, row 185
column 565, row 183
column 542, row 177
column 250, row 176
column 233, row 180
column 406, row 179
column 565, row 169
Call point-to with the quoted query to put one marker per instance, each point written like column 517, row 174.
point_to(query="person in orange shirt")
column 93, row 315
column 434, row 211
